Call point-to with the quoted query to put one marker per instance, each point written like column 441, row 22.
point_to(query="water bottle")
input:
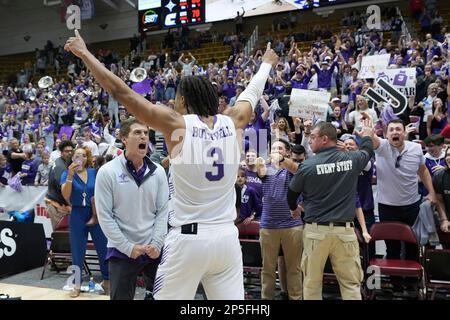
column 91, row 284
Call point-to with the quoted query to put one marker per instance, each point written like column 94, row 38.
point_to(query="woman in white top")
column 354, row 117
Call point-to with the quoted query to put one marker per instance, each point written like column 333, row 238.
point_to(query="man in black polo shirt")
column 15, row 156
column 328, row 183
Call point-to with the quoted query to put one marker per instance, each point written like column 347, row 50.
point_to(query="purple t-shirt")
column 255, row 183
column 250, row 202
column 276, row 213
column 252, row 136
column 364, row 188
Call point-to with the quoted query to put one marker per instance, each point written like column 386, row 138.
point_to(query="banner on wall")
column 30, row 198
column 404, row 80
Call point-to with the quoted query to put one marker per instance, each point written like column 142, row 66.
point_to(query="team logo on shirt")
column 122, row 178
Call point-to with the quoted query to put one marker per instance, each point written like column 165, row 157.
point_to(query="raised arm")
column 158, row 117
column 266, row 108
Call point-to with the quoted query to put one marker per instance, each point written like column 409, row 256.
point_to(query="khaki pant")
column 341, row 245
column 290, row 240
column 56, row 215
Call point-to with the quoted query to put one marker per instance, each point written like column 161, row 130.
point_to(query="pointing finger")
column 268, row 46
column 77, row 34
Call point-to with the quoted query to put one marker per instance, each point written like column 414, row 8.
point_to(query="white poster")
column 372, row 65
column 404, row 80
column 309, row 104
column 30, row 198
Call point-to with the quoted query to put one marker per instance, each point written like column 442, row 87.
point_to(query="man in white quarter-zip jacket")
column 131, row 197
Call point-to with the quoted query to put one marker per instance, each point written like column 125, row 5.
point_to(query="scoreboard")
column 324, row 3
column 159, row 14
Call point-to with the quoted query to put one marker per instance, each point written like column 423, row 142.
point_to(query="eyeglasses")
column 397, row 161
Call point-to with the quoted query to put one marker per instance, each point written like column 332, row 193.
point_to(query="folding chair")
column 437, row 270
column 396, row 267
column 251, row 253
column 59, row 253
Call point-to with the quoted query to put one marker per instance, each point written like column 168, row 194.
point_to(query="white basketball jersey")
column 203, row 174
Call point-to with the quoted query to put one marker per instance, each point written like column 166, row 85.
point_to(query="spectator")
column 250, row 207
column 43, row 171
column 329, row 214
column 441, row 185
column 134, row 245
column 15, row 156
column 57, row 207
column 28, row 170
column 399, row 163
column 77, row 188
column 186, row 65
column 278, row 228
column 238, row 21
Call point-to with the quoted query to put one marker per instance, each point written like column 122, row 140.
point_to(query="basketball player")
column 202, row 244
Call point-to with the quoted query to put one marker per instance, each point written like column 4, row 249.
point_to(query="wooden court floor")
column 36, row 293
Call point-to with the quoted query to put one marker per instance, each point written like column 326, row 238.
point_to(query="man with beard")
column 57, row 207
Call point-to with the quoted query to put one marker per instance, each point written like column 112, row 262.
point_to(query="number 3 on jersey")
column 211, row 176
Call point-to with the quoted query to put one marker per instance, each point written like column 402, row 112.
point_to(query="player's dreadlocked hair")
column 199, row 95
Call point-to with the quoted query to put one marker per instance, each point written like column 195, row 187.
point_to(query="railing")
column 252, row 41
column 405, row 30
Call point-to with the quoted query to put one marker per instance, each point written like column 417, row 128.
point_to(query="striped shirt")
column 276, row 213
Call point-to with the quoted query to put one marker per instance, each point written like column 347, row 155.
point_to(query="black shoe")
column 283, row 296
column 148, row 295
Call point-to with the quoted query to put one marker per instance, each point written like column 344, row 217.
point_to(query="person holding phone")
column 77, row 188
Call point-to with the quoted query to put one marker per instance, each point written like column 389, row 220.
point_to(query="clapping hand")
column 410, row 128
column 367, row 129
column 341, row 145
column 152, row 251
column 297, row 122
column 260, row 162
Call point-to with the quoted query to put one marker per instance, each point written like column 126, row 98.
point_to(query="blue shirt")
column 276, row 213
column 79, row 187
column 254, row 182
column 324, row 76
column 30, row 168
